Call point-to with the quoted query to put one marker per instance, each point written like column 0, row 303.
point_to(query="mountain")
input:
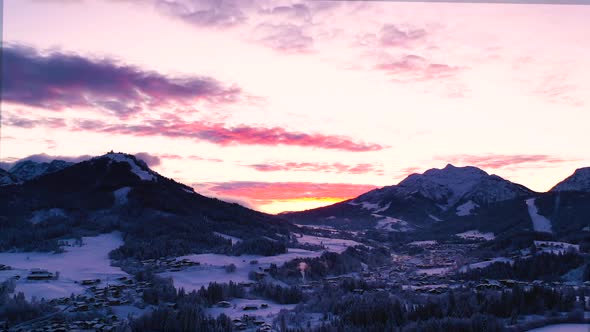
column 7, row 178
column 579, row 181
column 28, row 169
column 449, row 196
column 117, row 191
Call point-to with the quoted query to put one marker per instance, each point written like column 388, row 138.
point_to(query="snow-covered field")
column 212, row 267
column 335, row 245
column 423, row 243
column 540, row 223
column 476, row 235
column 90, row 261
column 391, row 224
column 481, row 265
column 563, row 328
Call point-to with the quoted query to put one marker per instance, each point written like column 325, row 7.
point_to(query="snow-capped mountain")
column 120, row 188
column 28, row 169
column 449, row 187
column 438, row 196
column 579, row 181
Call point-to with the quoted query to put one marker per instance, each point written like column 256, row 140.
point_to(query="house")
column 89, row 282
column 4, row 267
column 223, row 304
column 39, row 274
column 250, row 307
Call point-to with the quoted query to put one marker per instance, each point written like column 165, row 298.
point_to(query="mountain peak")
column 138, row 166
column 579, row 181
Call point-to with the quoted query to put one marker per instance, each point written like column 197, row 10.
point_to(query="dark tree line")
column 542, row 266
column 330, row 263
column 460, row 310
column 278, row 293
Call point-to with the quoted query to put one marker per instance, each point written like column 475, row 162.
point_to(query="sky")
column 290, row 105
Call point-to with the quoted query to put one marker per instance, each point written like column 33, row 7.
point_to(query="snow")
column 135, row 168
column 121, row 195
column 476, row 235
column 540, row 223
column 391, row 224
column 481, row 265
column 212, row 267
column 233, row 239
column 434, row 271
column 90, row 261
column 335, row 245
column 423, row 243
column 448, row 184
column 466, row 208
column 42, row 215
column 563, row 328
column 366, row 205
column 383, row 208
column 435, row 218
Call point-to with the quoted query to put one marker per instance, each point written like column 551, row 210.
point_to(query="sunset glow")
column 291, row 105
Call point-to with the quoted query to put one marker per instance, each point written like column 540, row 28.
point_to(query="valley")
column 453, row 247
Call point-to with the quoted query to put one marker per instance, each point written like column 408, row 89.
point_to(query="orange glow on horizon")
column 299, row 204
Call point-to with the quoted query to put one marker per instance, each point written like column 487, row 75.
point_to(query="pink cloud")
column 393, row 36
column 416, row 68
column 269, row 191
column 316, row 167
column 497, row 161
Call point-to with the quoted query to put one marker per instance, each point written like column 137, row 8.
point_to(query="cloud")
column 216, row 133
column 207, row 13
column 269, row 191
column 150, row 159
column 191, row 157
column 219, row 134
column 416, row 68
column 22, row 122
column 497, row 161
column 393, row 36
column 317, row 167
column 58, row 81
column 44, row 158
column 558, row 90
column 287, row 38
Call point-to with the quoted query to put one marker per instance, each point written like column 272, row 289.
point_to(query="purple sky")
column 286, row 105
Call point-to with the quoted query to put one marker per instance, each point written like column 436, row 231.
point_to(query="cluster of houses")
column 103, row 324
column 249, row 322
column 5, row 267
column 169, row 264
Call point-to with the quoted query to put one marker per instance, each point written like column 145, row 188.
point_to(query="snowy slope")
column 90, row 261
column 138, row 167
column 28, row 169
column 540, row 223
column 579, row 181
